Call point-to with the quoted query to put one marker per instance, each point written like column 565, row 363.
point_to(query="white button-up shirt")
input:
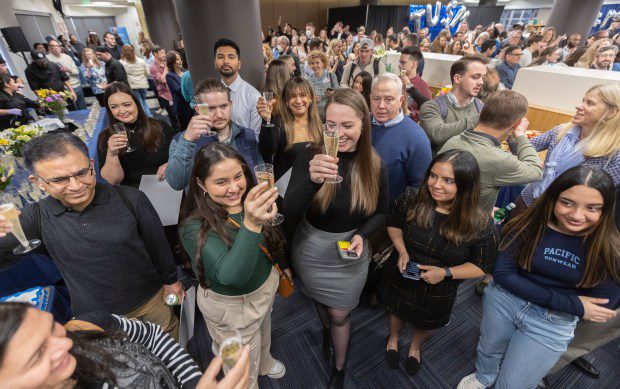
column 244, row 98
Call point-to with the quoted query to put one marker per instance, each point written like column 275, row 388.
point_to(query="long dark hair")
column 149, row 131
column 212, row 216
column 93, row 362
column 466, row 220
column 603, row 241
column 366, row 85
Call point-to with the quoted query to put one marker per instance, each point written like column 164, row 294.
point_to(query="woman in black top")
column 99, row 350
column 149, row 138
column 180, row 107
column 13, row 104
column 317, row 215
column 296, row 125
column 441, row 228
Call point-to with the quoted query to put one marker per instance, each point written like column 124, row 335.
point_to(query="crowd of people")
column 417, row 175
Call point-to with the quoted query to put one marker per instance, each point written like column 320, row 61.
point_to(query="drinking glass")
column 268, row 96
column 203, row 108
column 230, row 349
column 9, row 211
column 331, row 138
column 264, row 173
column 119, row 128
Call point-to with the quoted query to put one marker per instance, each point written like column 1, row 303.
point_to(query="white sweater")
column 137, row 73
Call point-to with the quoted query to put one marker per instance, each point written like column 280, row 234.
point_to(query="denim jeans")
column 519, row 341
column 80, row 102
column 141, row 95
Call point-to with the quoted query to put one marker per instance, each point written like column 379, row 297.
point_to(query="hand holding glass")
column 268, row 96
column 264, row 173
column 119, row 128
column 230, row 349
column 9, row 211
column 331, row 139
column 203, row 108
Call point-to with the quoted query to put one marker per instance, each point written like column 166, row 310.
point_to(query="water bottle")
column 500, row 215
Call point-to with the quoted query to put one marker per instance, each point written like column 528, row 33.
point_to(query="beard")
column 228, row 73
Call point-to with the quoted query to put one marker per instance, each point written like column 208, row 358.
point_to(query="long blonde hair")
column 330, row 50
column 95, row 59
column 299, row 84
column 605, row 139
column 365, row 171
column 589, row 56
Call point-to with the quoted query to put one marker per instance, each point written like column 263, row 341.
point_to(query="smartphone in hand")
column 343, row 250
column 412, row 271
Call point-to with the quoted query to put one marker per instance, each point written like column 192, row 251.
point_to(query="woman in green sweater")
column 222, row 230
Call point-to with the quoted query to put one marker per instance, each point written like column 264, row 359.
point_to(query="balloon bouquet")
column 444, row 17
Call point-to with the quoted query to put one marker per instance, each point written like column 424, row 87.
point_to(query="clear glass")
column 268, row 96
column 119, row 128
column 9, row 211
column 331, row 139
column 202, row 107
column 230, row 349
column 264, row 173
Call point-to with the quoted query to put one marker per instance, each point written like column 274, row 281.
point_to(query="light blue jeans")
column 141, row 95
column 519, row 341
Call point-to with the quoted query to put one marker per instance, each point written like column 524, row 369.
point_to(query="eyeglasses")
column 60, row 182
column 516, row 55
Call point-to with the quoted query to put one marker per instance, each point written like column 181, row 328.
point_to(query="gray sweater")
column 439, row 130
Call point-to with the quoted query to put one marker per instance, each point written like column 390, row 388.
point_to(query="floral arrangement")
column 379, row 52
column 6, row 174
column 13, row 139
column 444, row 90
column 54, row 101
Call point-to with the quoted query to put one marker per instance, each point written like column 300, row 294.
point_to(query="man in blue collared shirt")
column 399, row 141
column 186, row 144
column 508, row 69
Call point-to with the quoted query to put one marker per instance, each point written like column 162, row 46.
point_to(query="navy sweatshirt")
column 557, row 266
column 406, row 151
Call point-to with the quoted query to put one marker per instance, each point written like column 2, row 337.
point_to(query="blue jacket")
column 507, row 73
column 182, row 152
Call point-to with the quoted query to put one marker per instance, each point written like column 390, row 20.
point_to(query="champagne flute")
column 203, row 108
column 9, row 211
column 331, row 139
column 230, row 349
column 268, row 96
column 264, row 173
column 119, row 128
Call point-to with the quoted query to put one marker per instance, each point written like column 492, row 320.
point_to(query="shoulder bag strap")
column 273, row 262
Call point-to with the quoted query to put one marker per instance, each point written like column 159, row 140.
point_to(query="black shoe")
column 587, row 367
column 412, row 366
column 391, row 357
column 336, row 381
column 327, row 344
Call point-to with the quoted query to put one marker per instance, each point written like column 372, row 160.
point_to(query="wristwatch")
column 448, row 273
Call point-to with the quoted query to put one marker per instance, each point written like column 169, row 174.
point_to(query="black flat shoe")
column 391, row 356
column 587, row 367
column 336, row 380
column 327, row 344
column 412, row 366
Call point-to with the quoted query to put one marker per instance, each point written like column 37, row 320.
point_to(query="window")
column 35, row 25
column 512, row 16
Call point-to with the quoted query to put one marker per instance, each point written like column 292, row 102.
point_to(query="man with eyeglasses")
column 184, row 145
column 508, row 69
column 68, row 67
column 604, row 58
column 107, row 241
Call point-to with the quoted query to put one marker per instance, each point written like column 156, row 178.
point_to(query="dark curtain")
column 353, row 16
column 484, row 15
column 380, row 17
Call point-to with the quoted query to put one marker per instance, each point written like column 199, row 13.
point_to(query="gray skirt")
column 325, row 276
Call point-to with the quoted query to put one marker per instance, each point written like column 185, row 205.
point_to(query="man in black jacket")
column 114, row 70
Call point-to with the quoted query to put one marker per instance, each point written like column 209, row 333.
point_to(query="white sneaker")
column 277, row 370
column 470, row 382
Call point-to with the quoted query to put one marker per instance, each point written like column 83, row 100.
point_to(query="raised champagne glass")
column 331, row 139
column 119, row 128
column 230, row 350
column 264, row 173
column 9, row 211
column 268, row 96
column 202, row 107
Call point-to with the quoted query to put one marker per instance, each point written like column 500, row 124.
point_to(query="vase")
column 60, row 114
